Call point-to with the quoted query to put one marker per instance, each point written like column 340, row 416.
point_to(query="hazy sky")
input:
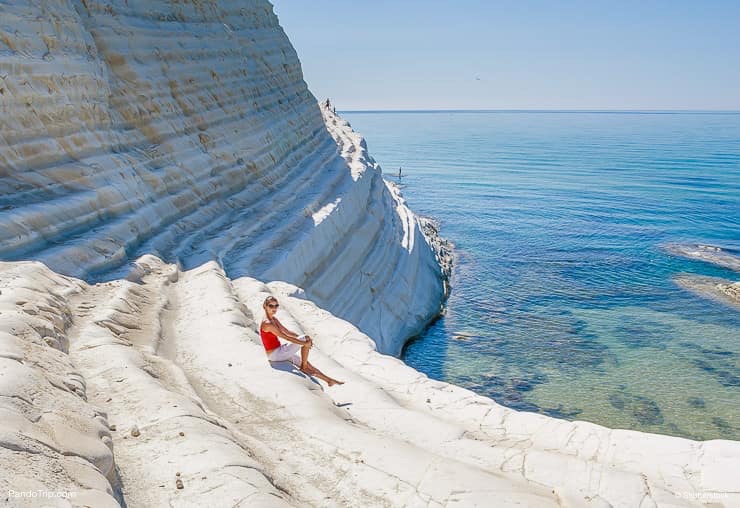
column 380, row 54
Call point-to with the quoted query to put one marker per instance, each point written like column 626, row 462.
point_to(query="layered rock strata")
column 186, row 130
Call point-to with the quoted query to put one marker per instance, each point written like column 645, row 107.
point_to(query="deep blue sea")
column 564, row 299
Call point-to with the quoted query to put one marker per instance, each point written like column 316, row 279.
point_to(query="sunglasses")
column 273, row 305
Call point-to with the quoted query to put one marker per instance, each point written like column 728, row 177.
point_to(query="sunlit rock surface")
column 117, row 391
column 164, row 168
column 185, row 129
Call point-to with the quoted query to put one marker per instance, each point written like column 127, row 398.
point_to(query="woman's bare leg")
column 316, row 372
column 304, row 357
column 309, row 369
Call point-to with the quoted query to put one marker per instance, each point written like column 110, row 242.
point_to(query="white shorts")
column 287, row 352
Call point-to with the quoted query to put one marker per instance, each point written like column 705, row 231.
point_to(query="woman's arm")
column 277, row 328
column 283, row 331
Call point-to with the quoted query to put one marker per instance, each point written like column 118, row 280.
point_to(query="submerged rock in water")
column 707, row 253
column 561, row 412
column 713, row 288
column 646, row 411
column 723, row 425
column 730, row 289
column 696, row 402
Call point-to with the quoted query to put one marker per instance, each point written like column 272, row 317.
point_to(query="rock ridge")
column 185, row 130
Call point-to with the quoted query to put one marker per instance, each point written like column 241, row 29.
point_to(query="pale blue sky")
column 477, row 54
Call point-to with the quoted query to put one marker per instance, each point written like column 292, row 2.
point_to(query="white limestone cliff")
column 163, row 168
column 186, row 130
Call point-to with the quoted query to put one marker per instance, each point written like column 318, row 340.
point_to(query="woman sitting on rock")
column 271, row 328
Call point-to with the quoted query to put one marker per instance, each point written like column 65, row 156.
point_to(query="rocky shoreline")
column 444, row 249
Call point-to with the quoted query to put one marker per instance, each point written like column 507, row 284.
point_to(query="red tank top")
column 269, row 340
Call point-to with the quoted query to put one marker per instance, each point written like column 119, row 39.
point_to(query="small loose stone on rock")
column 182, row 433
column 135, row 431
column 179, row 484
column 113, row 427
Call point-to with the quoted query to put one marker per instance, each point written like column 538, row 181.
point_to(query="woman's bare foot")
column 332, row 382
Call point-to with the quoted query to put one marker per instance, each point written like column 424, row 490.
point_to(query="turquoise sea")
column 564, row 299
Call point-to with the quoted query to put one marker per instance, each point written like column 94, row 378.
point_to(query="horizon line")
column 624, row 111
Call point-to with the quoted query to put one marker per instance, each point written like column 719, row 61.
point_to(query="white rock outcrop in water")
column 706, row 253
column 714, row 288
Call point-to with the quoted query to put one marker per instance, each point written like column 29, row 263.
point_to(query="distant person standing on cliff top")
column 271, row 328
column 328, row 104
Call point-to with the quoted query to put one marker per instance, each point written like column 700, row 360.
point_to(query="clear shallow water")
column 563, row 300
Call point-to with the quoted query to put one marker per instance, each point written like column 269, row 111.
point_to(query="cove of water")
column 564, row 299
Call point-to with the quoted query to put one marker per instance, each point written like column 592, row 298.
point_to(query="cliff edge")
column 185, row 130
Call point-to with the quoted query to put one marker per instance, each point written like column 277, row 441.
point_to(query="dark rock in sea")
column 722, row 370
column 696, row 402
column 538, row 378
column 492, row 378
column 616, row 400
column 521, row 385
column 728, row 379
column 703, row 365
column 641, row 333
column 509, row 391
column 511, row 396
column 716, row 352
column 722, row 424
column 497, row 395
column 526, row 406
column 560, row 412
column 647, row 411
column 611, row 359
column 679, row 432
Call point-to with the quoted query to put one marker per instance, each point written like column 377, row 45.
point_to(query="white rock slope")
column 181, row 135
column 185, row 129
column 170, row 382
